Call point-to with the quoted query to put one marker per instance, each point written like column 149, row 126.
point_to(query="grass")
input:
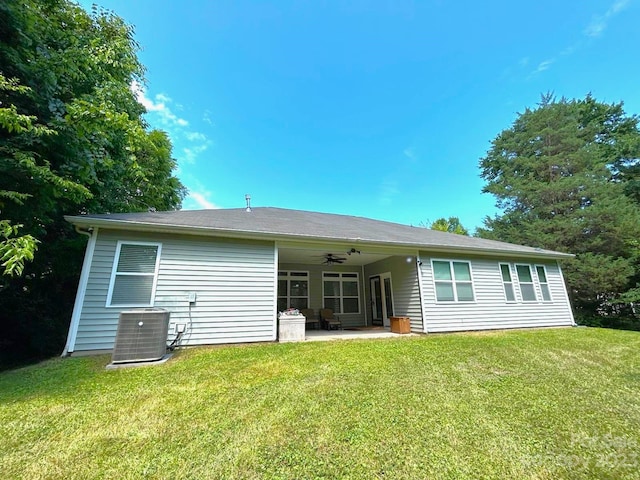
column 543, row 404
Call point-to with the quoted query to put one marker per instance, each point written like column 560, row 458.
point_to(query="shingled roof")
column 273, row 223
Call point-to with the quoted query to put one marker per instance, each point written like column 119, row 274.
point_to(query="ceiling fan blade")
column 330, row 259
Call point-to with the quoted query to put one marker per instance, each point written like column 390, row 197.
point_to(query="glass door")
column 376, row 301
column 381, row 299
column 388, row 301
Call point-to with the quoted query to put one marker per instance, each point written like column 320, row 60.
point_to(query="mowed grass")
column 543, row 404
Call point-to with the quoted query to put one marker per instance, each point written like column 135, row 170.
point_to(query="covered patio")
column 351, row 334
column 363, row 285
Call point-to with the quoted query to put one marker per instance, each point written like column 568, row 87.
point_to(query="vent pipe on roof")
column 247, row 197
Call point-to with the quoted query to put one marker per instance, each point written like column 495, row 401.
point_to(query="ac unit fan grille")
column 141, row 336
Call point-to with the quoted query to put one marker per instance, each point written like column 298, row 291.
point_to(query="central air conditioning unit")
column 141, row 336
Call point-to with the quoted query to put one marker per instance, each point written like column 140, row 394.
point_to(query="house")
column 224, row 275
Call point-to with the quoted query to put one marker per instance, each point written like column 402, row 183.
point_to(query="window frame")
column 115, row 274
column 339, row 278
column 545, row 283
column 510, row 282
column 288, row 278
column 533, row 283
column 453, row 281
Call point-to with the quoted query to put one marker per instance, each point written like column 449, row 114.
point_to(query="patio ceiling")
column 316, row 256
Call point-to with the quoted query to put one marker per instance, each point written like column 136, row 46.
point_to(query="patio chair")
column 328, row 320
column 311, row 321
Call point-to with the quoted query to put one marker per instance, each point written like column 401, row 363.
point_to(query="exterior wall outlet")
column 192, row 297
column 180, row 327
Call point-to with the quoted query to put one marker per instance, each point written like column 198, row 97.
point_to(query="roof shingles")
column 268, row 221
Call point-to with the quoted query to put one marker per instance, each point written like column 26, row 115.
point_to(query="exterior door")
column 381, row 299
column 376, row 301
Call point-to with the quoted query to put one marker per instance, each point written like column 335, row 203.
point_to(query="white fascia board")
column 505, row 253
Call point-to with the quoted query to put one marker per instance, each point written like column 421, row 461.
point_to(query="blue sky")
column 378, row 109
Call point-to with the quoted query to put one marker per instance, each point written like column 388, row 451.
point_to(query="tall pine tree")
column 563, row 175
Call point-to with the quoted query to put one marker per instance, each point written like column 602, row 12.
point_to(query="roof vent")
column 247, row 197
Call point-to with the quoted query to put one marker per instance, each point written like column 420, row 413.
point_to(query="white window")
column 341, row 292
column 544, row 285
column 453, row 281
column 507, row 281
column 293, row 290
column 525, row 279
column 134, row 274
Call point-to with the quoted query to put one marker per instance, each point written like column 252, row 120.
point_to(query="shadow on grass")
column 51, row 378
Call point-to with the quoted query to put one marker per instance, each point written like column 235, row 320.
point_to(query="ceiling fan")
column 330, row 259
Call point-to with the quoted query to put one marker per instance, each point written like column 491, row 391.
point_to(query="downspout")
column 274, row 335
column 364, row 298
column 92, row 233
column 421, row 292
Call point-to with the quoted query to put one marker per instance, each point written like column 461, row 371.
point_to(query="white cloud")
column 595, row 28
column 195, row 136
column 570, row 49
column 207, row 118
column 189, row 143
column 388, row 190
column 600, row 22
column 192, row 152
column 410, row 153
column 618, row 6
column 598, row 25
column 200, row 200
column 158, row 105
column 542, row 66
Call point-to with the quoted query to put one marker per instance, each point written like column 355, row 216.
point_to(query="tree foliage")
column 72, row 141
column 450, row 225
column 15, row 250
column 564, row 175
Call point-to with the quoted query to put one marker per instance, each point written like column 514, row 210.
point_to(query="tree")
column 72, row 141
column 451, row 225
column 562, row 174
column 15, row 250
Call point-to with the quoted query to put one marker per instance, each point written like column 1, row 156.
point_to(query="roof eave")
column 118, row 224
column 499, row 252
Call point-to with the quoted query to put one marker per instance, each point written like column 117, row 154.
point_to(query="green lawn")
column 544, row 404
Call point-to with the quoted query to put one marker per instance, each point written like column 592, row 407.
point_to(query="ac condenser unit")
column 141, row 336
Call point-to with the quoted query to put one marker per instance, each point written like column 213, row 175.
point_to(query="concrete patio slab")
column 325, row 335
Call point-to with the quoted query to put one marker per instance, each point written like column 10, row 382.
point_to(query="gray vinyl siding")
column 315, row 289
column 404, row 286
column 490, row 310
column 233, row 281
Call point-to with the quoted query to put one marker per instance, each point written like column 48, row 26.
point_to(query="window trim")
column 453, row 281
column 533, row 283
column 504, row 283
column 287, row 278
column 114, row 274
column 341, row 297
column 541, row 283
